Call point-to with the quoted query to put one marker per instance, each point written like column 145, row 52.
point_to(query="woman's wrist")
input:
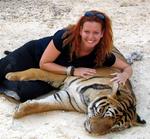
column 126, row 75
column 128, row 72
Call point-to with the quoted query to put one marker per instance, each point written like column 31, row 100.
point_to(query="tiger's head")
column 112, row 112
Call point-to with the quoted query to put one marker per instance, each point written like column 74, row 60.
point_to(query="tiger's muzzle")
column 98, row 125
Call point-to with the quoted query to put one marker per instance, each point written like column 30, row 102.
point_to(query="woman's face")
column 91, row 33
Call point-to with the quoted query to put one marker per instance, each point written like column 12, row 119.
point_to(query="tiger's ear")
column 138, row 121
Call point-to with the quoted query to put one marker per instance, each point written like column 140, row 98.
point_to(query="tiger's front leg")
column 52, row 102
column 36, row 74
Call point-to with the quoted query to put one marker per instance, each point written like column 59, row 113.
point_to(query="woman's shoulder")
column 59, row 33
column 109, row 60
column 58, row 38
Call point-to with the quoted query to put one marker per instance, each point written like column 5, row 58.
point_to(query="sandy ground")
column 24, row 20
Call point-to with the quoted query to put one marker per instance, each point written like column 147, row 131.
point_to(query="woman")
column 75, row 50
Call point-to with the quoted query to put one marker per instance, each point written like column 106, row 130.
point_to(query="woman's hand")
column 120, row 77
column 125, row 74
column 84, row 72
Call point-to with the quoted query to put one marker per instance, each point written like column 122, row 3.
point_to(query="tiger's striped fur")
column 109, row 106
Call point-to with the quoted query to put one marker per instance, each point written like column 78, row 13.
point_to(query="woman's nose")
column 90, row 36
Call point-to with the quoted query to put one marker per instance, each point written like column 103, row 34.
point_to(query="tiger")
column 109, row 106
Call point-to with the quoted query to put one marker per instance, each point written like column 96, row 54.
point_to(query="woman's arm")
column 50, row 54
column 46, row 62
column 126, row 71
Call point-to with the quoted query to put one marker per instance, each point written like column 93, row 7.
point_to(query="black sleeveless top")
column 64, row 58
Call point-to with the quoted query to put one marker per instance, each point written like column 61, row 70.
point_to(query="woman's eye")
column 96, row 33
column 86, row 31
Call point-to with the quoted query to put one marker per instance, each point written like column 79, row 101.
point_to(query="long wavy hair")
column 103, row 48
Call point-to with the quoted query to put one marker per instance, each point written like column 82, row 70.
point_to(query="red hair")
column 104, row 47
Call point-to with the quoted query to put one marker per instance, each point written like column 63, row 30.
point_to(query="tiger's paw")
column 22, row 109
column 18, row 113
column 26, row 108
column 13, row 76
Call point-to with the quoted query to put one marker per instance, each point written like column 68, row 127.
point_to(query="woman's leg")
column 28, row 89
column 22, row 59
column 4, row 65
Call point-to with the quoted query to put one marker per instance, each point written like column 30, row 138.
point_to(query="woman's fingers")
column 84, row 72
column 119, row 78
column 88, row 73
column 114, row 79
column 115, row 73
